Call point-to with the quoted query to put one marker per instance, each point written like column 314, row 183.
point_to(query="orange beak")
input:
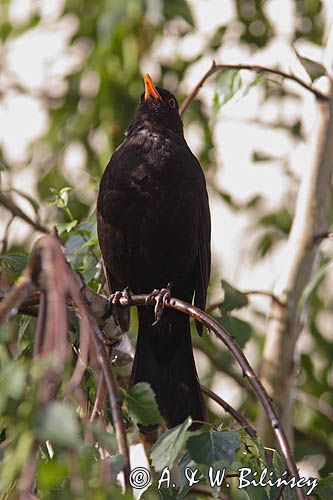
column 150, row 89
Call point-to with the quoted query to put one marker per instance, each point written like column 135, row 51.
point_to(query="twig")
column 264, row 293
column 322, row 236
column 17, row 295
column 315, row 403
column 42, row 312
column 82, row 356
column 5, row 237
column 99, row 403
column 17, row 212
column 251, row 67
column 229, row 409
column 28, row 476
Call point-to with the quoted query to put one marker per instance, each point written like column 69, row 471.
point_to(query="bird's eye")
column 172, row 103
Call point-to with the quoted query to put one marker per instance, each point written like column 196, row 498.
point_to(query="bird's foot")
column 114, row 302
column 161, row 298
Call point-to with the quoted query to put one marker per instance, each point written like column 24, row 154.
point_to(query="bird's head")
column 159, row 106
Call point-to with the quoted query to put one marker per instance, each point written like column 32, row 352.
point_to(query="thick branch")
column 251, row 67
column 285, row 324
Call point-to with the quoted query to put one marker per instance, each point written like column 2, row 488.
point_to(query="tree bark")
column 286, row 318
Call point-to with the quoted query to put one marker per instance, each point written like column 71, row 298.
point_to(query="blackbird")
column 153, row 224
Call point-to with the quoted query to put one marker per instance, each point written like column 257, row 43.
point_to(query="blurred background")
column 71, row 73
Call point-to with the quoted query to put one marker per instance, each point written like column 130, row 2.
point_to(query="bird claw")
column 161, row 298
column 151, row 296
column 114, row 301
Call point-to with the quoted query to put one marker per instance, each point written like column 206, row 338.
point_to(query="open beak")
column 150, row 89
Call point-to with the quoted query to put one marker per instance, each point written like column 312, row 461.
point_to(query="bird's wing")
column 203, row 263
column 204, row 256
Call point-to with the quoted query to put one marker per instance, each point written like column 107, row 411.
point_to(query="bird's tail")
column 164, row 359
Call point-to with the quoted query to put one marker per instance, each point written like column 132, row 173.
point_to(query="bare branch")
column 42, row 312
column 315, row 403
column 251, row 67
column 99, row 404
column 229, row 409
column 17, row 295
column 264, row 293
column 17, row 212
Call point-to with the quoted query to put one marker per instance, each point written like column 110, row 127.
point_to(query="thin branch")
column 251, row 67
column 315, row 403
column 264, row 293
column 229, row 409
column 27, row 480
column 17, row 212
column 42, row 313
column 99, row 404
column 214, row 356
column 17, row 295
column 322, row 236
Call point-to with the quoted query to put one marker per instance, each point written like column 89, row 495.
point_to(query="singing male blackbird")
column 154, row 230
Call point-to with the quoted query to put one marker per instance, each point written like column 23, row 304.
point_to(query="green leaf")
column 280, row 220
column 92, row 242
column 324, row 490
column 153, row 493
column 58, row 423
column 175, row 8
column 258, row 156
column 228, row 83
column 107, row 440
column 12, row 380
column 117, row 463
column 51, row 474
column 238, row 328
column 141, row 404
column 280, row 468
column 15, row 261
column 216, row 40
column 213, row 448
column 233, row 298
column 66, row 226
column 255, row 492
column 165, row 450
column 229, row 200
column 259, row 80
column 313, row 68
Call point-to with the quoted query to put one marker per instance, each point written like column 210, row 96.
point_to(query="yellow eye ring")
column 172, row 103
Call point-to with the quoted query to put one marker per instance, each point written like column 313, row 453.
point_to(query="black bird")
column 154, row 230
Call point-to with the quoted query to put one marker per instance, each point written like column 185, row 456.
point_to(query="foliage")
column 95, row 104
